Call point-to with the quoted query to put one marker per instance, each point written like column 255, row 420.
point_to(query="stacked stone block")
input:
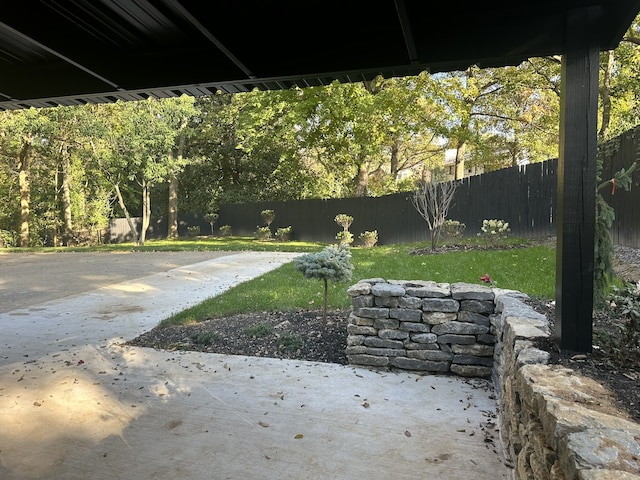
column 422, row 326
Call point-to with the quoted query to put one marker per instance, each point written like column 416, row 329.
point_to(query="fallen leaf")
column 37, row 404
column 263, row 424
column 407, row 433
column 365, row 404
column 298, row 436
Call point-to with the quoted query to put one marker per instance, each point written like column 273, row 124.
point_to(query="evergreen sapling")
column 331, row 264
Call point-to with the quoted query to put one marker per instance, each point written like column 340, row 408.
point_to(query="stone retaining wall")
column 422, row 327
column 555, row 424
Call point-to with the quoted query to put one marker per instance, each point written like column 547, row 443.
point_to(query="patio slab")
column 77, row 403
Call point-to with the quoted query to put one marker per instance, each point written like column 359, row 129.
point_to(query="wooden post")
column 577, row 182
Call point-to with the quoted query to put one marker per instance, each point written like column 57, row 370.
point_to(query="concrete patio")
column 76, row 403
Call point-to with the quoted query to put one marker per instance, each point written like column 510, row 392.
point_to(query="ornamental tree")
column 331, row 264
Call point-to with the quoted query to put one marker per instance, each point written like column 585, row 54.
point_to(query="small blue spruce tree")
column 331, row 264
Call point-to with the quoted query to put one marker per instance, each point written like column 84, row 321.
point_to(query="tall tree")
column 21, row 136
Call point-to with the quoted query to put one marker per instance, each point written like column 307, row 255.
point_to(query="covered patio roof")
column 70, row 52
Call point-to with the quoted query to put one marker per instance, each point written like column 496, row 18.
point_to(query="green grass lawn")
column 528, row 269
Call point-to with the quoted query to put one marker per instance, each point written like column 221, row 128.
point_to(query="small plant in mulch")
column 258, row 330
column 625, row 304
column 289, row 342
column 205, row 338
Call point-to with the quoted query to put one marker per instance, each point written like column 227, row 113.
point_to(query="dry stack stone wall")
column 554, row 423
column 422, row 326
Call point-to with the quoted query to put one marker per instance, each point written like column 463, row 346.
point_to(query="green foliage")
column 263, row 233
column 344, row 220
column 225, row 231
column 331, row 264
column 603, row 272
column 283, row 234
column 258, row 330
column 205, row 338
column 289, row 342
column 452, row 229
column 625, row 303
column 527, row 269
column 193, row 231
column 494, row 231
column 345, row 238
column 369, row 238
column 268, row 216
column 7, row 239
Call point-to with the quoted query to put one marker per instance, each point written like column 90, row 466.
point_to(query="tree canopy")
column 65, row 171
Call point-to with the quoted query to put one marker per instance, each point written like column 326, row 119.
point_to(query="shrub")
column 225, row 231
column 625, row 302
column 344, row 220
column 268, row 216
column 332, row 263
column 369, row 238
column 284, row 234
column 345, row 237
column 205, row 338
column 258, row 330
column 193, row 232
column 263, row 233
column 289, row 342
column 211, row 218
column 7, row 239
column 453, row 229
column 494, row 231
column 432, row 200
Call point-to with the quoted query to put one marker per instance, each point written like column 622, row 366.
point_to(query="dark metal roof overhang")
column 66, row 52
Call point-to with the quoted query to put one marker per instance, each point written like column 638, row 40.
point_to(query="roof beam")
column 175, row 5
column 406, row 31
column 64, row 58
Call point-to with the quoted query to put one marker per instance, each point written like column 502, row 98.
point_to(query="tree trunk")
column 459, row 158
column 66, row 195
column 24, row 160
column 146, row 211
column 132, row 227
column 605, row 95
column 395, row 162
column 172, row 219
column 362, row 180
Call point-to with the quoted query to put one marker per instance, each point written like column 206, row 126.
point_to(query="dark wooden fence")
column 620, row 153
column 524, row 196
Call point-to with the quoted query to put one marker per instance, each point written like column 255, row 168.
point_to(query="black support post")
column 577, row 182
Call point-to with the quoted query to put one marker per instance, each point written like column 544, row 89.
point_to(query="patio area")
column 77, row 403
